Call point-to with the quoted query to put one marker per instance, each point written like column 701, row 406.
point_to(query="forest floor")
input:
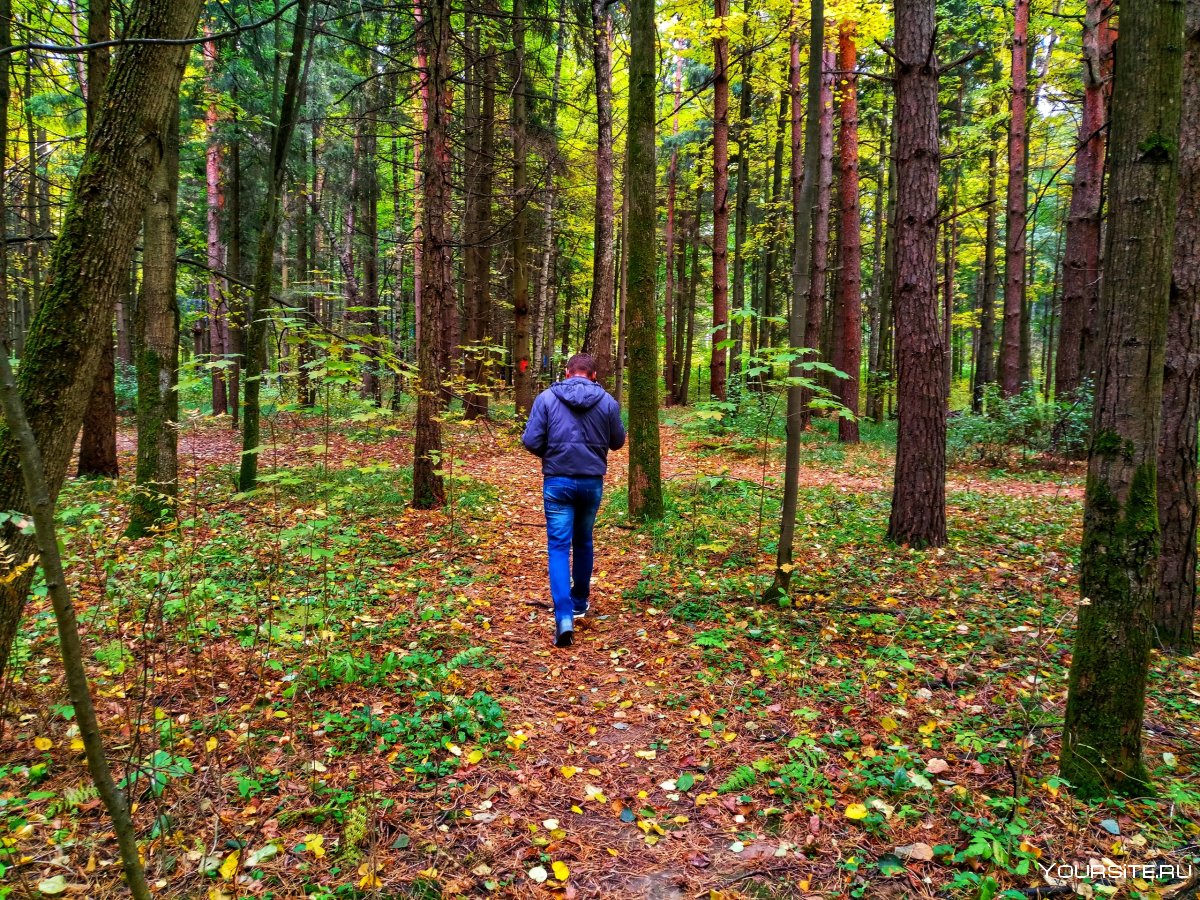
column 318, row 691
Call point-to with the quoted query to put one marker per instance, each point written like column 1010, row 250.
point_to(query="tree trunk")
column 850, row 235
column 804, row 193
column 775, row 238
column 1102, row 731
column 918, row 515
column 156, row 343
column 815, row 325
column 264, row 272
column 546, row 281
column 522, row 376
column 98, row 442
column 718, row 366
column 438, row 281
column 690, row 338
column 88, row 265
column 875, row 301
column 645, row 482
column 477, row 252
column 1175, row 605
column 985, row 356
column 598, row 338
column 742, row 207
column 1081, row 262
column 670, row 301
column 623, row 286
column 1014, row 238
column 218, row 288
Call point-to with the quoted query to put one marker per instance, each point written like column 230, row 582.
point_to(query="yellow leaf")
column 569, row 771
column 928, row 728
column 431, row 872
column 315, row 844
column 77, row 744
column 645, row 754
column 730, row 736
column 561, row 872
column 516, row 741
column 474, row 756
column 229, row 866
column 370, row 880
column 889, row 724
column 211, row 744
column 43, row 743
column 856, row 811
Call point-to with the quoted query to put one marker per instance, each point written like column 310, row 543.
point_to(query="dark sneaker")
column 582, row 607
column 564, row 633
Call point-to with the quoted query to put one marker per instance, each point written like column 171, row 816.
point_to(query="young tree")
column 645, row 482
column 815, row 325
column 804, row 192
column 918, row 515
column 850, row 235
column 718, row 365
column 1014, row 239
column 88, row 265
column 598, row 338
column 1175, row 604
column 1102, row 731
column 264, row 272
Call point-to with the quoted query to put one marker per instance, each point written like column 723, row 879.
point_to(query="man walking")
column 571, row 428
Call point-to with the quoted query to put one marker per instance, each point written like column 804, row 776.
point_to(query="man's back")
column 572, row 426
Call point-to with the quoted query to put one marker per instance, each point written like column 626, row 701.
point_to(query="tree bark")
column 1014, row 238
column 438, row 281
column 477, row 253
column 718, row 365
column 742, row 204
column 918, row 516
column 88, row 266
column 264, row 273
column 522, row 376
column 1081, row 261
column 1102, row 731
column 98, row 442
column 985, row 356
column 598, row 338
column 218, row 288
column 875, row 301
column 1175, row 605
column 815, row 323
column 156, row 345
column 645, row 481
column 670, row 300
column 804, row 192
column 850, row 234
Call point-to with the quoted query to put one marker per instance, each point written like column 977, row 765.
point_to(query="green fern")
column 470, row 655
column 742, row 778
column 78, row 796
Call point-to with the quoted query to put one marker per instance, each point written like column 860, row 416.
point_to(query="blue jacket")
column 572, row 427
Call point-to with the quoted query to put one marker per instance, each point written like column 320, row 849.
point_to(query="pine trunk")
column 718, row 365
column 1014, row 228
column 477, row 251
column 814, row 328
column 1102, row 731
column 522, row 376
column 918, row 516
column 438, row 280
column 1175, row 605
column 850, row 235
column 1081, row 262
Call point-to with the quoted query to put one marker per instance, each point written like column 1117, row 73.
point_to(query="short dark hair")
column 582, row 363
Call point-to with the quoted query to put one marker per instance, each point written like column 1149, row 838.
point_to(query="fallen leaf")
column 856, row 811
column 561, row 872
column 918, row 851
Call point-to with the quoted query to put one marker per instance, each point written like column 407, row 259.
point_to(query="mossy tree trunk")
column 1102, row 732
column 719, row 362
column 918, row 516
column 88, row 265
column 156, row 349
column 1175, row 605
column 645, row 481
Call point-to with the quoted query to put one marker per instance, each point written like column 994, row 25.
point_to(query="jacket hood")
column 578, row 392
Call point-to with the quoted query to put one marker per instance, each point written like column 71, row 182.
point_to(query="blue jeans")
column 571, row 504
